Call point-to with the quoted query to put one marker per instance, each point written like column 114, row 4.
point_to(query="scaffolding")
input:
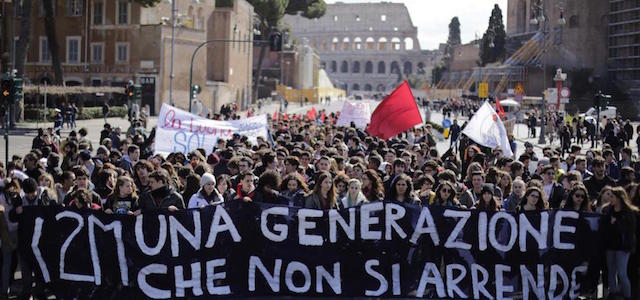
column 507, row 75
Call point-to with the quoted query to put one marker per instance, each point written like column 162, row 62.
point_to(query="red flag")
column 322, row 117
column 295, row 117
column 395, row 114
column 311, row 114
column 275, row 115
column 286, row 117
column 500, row 108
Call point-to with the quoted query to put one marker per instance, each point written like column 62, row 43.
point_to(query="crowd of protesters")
column 319, row 166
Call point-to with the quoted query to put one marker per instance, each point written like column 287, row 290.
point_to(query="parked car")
column 590, row 116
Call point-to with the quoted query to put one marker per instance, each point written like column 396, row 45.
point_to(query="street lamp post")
column 542, row 21
column 173, row 37
column 193, row 57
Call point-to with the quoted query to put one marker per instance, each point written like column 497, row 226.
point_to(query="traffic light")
column 17, row 90
column 601, row 100
column 129, row 91
column 6, row 93
column 195, row 90
column 276, row 41
column 137, row 92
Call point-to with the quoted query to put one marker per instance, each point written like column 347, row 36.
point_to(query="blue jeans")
column 617, row 266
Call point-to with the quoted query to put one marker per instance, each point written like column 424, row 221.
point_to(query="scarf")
column 241, row 193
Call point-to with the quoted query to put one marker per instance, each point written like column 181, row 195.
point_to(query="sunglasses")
column 581, row 196
column 534, row 195
column 448, row 191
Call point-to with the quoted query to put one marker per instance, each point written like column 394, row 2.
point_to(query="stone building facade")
column 109, row 42
column 366, row 48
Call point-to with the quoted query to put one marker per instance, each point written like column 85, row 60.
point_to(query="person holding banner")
column 207, row 195
column 620, row 238
column 161, row 195
column 294, row 188
column 124, row 199
column 401, row 190
column 354, row 196
column 323, row 195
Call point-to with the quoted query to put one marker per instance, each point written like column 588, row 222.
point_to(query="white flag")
column 486, row 129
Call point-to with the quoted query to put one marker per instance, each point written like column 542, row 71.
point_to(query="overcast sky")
column 432, row 17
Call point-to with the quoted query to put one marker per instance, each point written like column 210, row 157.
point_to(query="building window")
column 383, row 18
column 122, row 53
column 381, row 68
column 367, row 87
column 45, row 55
column 334, row 66
column 345, row 67
column 356, row 87
column 97, row 53
column 356, row 67
column 368, row 67
column 335, row 18
column 73, row 49
column 123, row 12
column 41, row 8
column 74, row 7
column 98, row 12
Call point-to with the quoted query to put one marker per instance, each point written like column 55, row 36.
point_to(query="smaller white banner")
column 180, row 131
column 357, row 112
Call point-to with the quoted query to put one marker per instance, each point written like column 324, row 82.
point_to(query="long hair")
column 585, row 205
column 452, row 196
column 330, row 200
column 376, row 191
column 393, row 193
column 622, row 196
column 466, row 151
column 540, row 205
column 506, row 190
column 192, row 186
column 298, row 178
column 120, row 182
column 474, row 166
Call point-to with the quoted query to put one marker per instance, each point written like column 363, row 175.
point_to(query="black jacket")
column 556, row 196
column 161, row 198
column 594, row 186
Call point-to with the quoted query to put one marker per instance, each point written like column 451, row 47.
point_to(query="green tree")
column 437, row 72
column 25, row 34
column 269, row 18
column 492, row 46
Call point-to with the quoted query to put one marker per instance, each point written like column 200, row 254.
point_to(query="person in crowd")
column 553, row 191
column 487, row 201
column 207, row 195
column 504, row 183
column 340, row 181
column 578, row 199
column 294, row 188
column 599, row 180
column 192, row 186
column 401, row 190
column 33, row 196
column 46, row 181
column 130, row 159
column 372, row 186
column 354, row 196
column 470, row 197
column 619, row 230
column 445, row 195
column 82, row 181
column 267, row 188
column 423, row 187
column 224, row 187
column 161, row 195
column 245, row 190
column 323, row 195
column 511, row 203
column 532, row 200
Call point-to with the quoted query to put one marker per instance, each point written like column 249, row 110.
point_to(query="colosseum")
column 366, row 48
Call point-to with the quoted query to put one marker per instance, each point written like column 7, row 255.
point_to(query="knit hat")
column 85, row 155
column 207, row 178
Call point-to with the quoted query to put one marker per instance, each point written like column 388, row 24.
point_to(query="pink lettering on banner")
column 170, row 120
column 201, row 129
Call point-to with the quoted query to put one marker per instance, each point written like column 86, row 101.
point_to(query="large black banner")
column 247, row 249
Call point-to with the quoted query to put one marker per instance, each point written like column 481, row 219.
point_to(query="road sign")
column 483, row 90
column 565, row 93
column 552, row 95
column 519, row 90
